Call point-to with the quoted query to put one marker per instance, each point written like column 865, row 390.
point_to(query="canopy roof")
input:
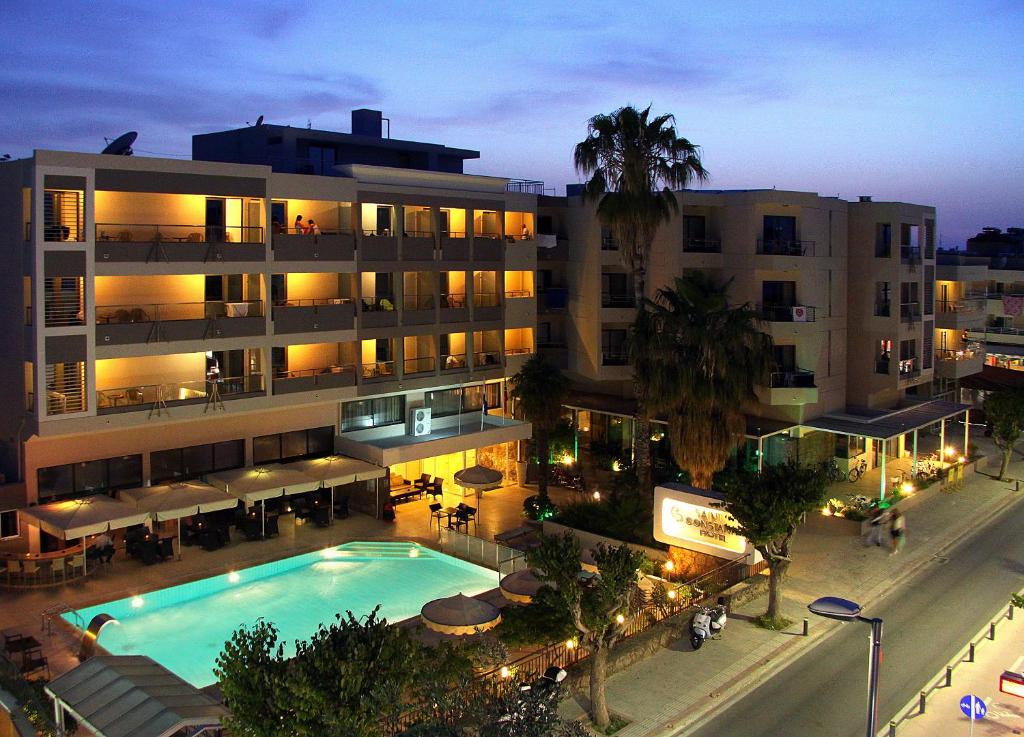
column 132, row 696
column 478, row 477
column 886, row 424
column 459, row 615
column 336, row 470
column 263, row 482
column 76, row 518
column 174, row 501
column 521, row 586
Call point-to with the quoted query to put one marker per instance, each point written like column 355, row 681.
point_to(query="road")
column 931, row 616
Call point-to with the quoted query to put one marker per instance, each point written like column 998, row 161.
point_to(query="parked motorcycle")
column 707, row 622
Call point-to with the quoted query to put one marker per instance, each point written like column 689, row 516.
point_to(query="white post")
column 330, row 514
column 85, row 558
column 942, row 441
column 263, row 519
column 967, row 432
column 913, row 468
column 179, row 538
column 760, row 454
column 881, row 483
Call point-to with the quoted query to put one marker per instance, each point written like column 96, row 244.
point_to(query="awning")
column 174, row 501
column 993, row 378
column 77, row 518
column 336, row 470
column 132, row 696
column 883, row 425
column 459, row 615
column 521, row 586
column 264, row 482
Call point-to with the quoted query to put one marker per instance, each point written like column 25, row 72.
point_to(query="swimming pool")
column 185, row 627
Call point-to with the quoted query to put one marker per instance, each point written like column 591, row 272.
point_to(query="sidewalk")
column 981, row 678
column 677, row 688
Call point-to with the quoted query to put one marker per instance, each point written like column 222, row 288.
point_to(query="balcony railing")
column 62, row 308
column 175, row 233
column 418, row 233
column 453, row 361
column 910, row 311
column 120, row 314
column 311, row 379
column 881, row 365
column 418, row 302
column 314, row 302
column 517, row 351
column 486, row 358
column 453, row 301
column 617, row 300
column 453, row 234
column 379, row 303
column 485, row 299
column 419, row 365
column 525, row 186
column 702, row 245
column 178, row 391
column 792, row 379
column 909, row 368
column 488, row 235
column 378, row 369
column 1000, row 330
column 377, row 232
column 787, row 313
column 608, row 243
column 554, row 298
column 960, row 305
column 518, row 294
column 614, row 359
column 882, row 309
column 957, row 354
column 785, row 247
column 910, row 254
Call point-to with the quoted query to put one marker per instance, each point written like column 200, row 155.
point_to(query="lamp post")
column 844, row 610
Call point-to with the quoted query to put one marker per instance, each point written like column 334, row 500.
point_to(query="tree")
column 252, row 675
column 600, row 609
column 1004, row 410
column 540, row 388
column 698, row 360
column 634, row 160
column 768, row 507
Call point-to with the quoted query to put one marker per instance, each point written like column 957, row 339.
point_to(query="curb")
column 785, row 654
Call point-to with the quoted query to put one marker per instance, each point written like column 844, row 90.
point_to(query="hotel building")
column 165, row 321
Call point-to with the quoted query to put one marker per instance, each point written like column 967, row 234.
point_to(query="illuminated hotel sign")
column 689, row 518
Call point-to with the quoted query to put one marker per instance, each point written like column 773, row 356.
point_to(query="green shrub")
column 625, row 517
column 537, row 510
column 541, row 622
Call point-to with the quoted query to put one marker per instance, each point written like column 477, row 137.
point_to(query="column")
column 881, row 483
column 967, row 432
column 760, row 454
column 913, row 468
column 942, row 440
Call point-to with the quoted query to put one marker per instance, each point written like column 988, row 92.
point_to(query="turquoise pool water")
column 184, row 627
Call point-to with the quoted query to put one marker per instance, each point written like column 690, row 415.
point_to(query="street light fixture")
column 844, row 610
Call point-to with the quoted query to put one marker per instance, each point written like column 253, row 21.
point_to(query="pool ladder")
column 48, row 615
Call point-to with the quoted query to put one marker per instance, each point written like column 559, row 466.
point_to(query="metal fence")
column 489, row 554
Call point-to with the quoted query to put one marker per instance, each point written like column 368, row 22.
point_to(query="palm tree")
column 699, row 360
column 540, row 388
column 634, row 160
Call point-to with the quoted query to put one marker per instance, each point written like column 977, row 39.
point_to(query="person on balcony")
column 525, row 233
column 312, row 228
column 298, row 228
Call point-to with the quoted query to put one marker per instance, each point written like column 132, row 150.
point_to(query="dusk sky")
column 920, row 102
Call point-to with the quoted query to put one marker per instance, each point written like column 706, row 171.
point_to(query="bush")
column 542, row 622
column 625, row 517
column 537, row 510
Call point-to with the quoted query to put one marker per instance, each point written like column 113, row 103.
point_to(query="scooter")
column 707, row 622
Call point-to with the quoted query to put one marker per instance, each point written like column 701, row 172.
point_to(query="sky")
column 911, row 101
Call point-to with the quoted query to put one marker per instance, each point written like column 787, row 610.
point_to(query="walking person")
column 876, row 528
column 897, row 530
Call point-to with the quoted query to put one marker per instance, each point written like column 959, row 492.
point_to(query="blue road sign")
column 972, row 705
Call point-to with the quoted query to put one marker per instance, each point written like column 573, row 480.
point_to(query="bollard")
column 921, row 702
column 949, row 676
column 807, row 627
column 1009, row 613
column 892, row 729
column 970, row 653
column 992, row 630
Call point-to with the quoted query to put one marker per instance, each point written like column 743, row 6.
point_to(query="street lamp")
column 848, row 611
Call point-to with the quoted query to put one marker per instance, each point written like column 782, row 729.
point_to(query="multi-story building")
column 164, row 321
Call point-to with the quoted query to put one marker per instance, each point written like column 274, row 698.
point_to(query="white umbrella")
column 253, row 485
column 335, row 470
column 177, row 500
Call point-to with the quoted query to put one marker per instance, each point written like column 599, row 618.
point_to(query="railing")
column 882, row 309
column 614, row 359
column 297, row 373
column 1003, row 331
column 453, row 301
column 489, row 235
column 317, row 231
column 379, row 303
column 785, row 247
column 378, row 368
column 909, row 368
column 165, row 232
column 881, row 365
column 485, row 299
column 961, row 305
column 418, row 302
column 792, row 379
column 513, row 237
column 554, row 298
column 961, row 354
column 453, row 234
column 518, row 293
column 787, row 313
column 617, row 300
column 177, row 391
column 525, row 186
column 910, row 311
column 487, row 358
column 702, row 245
column 120, row 314
column 377, row 232
column 421, row 365
column 418, row 233
column 608, row 243
column 910, row 254
column 65, row 388
column 517, row 351
column 64, row 215
column 313, row 302
column 883, row 249
column 492, row 555
column 63, row 307
column 453, row 361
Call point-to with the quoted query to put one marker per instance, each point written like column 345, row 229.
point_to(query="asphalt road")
column 930, row 617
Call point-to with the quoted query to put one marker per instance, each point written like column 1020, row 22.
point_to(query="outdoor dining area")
column 151, row 524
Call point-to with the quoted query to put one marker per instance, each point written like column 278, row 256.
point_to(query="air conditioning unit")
column 419, row 421
column 799, row 314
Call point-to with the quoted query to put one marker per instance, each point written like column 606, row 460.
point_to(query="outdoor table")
column 23, row 645
column 449, row 512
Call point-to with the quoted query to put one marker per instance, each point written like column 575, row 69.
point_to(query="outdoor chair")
column 13, row 571
column 210, row 540
column 435, row 513
column 341, row 506
column 272, row 530
column 33, row 662
column 437, row 488
column 150, row 553
column 166, row 548
column 251, row 528
column 29, row 571
column 11, row 637
column 422, row 483
column 461, row 520
column 322, row 516
column 195, row 238
column 469, row 513
column 224, row 534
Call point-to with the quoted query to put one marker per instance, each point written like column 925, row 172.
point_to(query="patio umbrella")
column 459, row 615
column 258, row 484
column 177, row 500
column 520, row 587
column 335, row 470
column 78, row 518
column 479, row 478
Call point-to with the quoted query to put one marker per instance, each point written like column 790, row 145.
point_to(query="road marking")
column 1016, row 664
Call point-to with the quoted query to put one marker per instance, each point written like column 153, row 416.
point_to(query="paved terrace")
column 22, row 610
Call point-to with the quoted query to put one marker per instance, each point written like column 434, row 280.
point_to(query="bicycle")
column 833, row 472
column 857, row 471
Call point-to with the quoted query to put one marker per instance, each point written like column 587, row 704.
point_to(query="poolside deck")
column 22, row 610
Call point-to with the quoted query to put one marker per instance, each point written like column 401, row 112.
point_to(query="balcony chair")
column 194, row 238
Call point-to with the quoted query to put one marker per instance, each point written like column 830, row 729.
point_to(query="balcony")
column 702, row 245
column 454, row 246
column 486, row 307
column 608, row 242
column 1006, row 335
column 618, row 301
column 957, row 364
column 488, row 247
column 910, row 255
column 909, row 368
column 557, row 353
column 148, row 396
column 313, row 315
column 487, row 360
column 550, row 248
column 910, row 312
column 418, row 309
column 325, row 246
column 453, row 308
column 417, row 245
column 787, row 313
column 135, row 242
column 960, row 314
column 63, row 302
column 617, row 358
column 376, row 371
column 779, row 247
column 883, row 309
column 454, row 362
column 552, row 299
column 794, row 386
column 378, row 245
column 378, row 312
column 882, row 366
column 419, row 365
column 315, row 379
column 149, row 323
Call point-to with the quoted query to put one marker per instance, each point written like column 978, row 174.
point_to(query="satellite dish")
column 122, row 145
column 259, row 121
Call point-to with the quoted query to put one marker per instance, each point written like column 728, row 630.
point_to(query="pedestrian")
column 897, row 530
column 876, row 527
